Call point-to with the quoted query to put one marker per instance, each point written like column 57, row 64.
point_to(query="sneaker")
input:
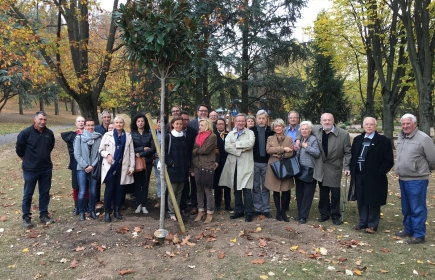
column 45, row 219
column 27, row 222
column 144, row 210
column 415, row 240
column 137, row 211
column 403, row 233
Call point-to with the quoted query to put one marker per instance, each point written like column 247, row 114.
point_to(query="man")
column 213, row 116
column 221, row 134
column 102, row 128
column 202, row 113
column 175, row 111
column 372, row 158
column 334, row 144
column 34, row 146
column 189, row 190
column 238, row 172
column 261, row 194
column 414, row 161
column 292, row 129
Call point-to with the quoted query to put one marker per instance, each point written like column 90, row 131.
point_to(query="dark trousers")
column 247, row 198
column 114, row 192
column 304, row 197
column 43, row 178
column 218, row 190
column 189, row 192
column 98, row 190
column 141, row 186
column 369, row 216
column 329, row 206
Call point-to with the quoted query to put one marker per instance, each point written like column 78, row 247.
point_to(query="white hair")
column 409, row 116
column 370, row 118
column 262, row 112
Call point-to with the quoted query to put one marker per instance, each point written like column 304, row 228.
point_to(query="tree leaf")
column 73, row 264
column 125, row 271
column 258, row 261
column 221, row 255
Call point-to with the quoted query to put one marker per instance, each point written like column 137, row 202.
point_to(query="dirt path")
column 10, row 138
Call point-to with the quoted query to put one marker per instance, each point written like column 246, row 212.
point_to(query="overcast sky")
column 309, row 14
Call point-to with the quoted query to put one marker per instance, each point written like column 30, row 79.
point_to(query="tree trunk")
column 74, row 110
column 388, row 120
column 244, row 106
column 56, row 107
column 113, row 113
column 41, row 104
column 66, row 104
column 425, row 109
column 20, row 104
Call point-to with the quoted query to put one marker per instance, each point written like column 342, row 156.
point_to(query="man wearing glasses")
column 202, row 113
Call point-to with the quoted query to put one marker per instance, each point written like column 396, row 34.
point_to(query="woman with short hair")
column 117, row 168
column 279, row 146
column 308, row 152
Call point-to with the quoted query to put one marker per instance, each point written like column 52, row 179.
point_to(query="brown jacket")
column 275, row 150
column 205, row 156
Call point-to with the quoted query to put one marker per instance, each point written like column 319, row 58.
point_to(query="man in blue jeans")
column 414, row 162
column 34, row 146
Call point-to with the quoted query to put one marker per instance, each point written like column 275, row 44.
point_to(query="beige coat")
column 275, row 150
column 107, row 146
column 328, row 170
column 245, row 160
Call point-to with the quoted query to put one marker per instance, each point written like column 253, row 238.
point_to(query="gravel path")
column 9, row 138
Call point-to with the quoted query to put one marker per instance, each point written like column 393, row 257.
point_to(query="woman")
column 177, row 160
column 143, row 147
column 117, row 168
column 204, row 163
column 69, row 137
column 307, row 154
column 279, row 145
column 156, row 162
column 86, row 147
column 250, row 121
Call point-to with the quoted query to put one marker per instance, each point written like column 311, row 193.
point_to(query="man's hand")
column 347, row 172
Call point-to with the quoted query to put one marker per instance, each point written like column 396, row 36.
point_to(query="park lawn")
column 224, row 249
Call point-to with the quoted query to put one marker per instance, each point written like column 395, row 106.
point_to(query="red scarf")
column 201, row 137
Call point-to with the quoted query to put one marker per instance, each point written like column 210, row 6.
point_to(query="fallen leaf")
column 249, row 254
column 264, row 277
column 294, row 248
column 221, row 255
column 11, row 266
column 358, row 262
column 415, row 272
column 79, row 249
column 323, row 251
column 419, row 261
column 176, row 240
column 342, row 259
column 263, row 243
column 40, row 253
column 258, row 261
column 2, row 218
column 200, row 236
column 123, row 230
column 288, row 229
column 383, row 271
column 25, row 250
column 349, row 272
column 258, row 229
column 185, row 240
column 385, row 250
column 63, row 260
column 191, row 266
column 73, row 264
column 233, row 240
column 357, row 272
column 262, row 254
column 138, row 229
column 124, row 272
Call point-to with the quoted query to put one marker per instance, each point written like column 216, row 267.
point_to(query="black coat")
column 256, row 148
column 143, row 140
column 176, row 158
column 379, row 160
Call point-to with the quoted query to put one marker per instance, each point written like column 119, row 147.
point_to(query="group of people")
column 205, row 161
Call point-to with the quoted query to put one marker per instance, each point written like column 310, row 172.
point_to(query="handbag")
column 96, row 170
column 306, row 174
column 286, row 167
column 139, row 164
column 203, row 176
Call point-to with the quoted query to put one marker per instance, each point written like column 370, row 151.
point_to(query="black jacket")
column 176, row 158
column 35, row 148
column 256, row 148
column 69, row 137
column 144, row 140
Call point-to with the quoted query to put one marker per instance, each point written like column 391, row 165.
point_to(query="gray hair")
column 308, row 123
column 250, row 117
column 370, row 118
column 240, row 115
column 77, row 119
column 117, row 118
column 105, row 113
column 292, row 112
column 278, row 122
column 40, row 113
column 409, row 116
column 262, row 112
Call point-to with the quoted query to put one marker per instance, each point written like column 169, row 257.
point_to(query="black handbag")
column 96, row 170
column 286, row 167
column 306, row 174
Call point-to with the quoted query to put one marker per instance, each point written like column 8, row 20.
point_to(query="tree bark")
column 56, row 107
column 74, row 110
column 20, row 104
column 41, row 104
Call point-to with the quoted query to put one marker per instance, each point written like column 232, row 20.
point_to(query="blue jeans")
column 260, row 193
column 85, row 179
column 414, row 208
column 43, row 178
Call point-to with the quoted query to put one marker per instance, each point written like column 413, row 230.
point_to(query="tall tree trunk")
column 74, row 110
column 20, row 104
column 388, row 119
column 425, row 109
column 41, row 104
column 56, row 106
column 244, row 106
column 66, row 104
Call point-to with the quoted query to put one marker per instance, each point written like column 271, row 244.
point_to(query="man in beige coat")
column 238, row 172
column 335, row 146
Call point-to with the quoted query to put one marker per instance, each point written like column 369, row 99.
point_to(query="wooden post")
column 168, row 182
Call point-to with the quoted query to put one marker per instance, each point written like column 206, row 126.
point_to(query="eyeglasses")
column 185, row 119
column 203, row 111
column 173, row 111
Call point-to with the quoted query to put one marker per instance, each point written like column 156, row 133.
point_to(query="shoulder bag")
column 139, row 164
column 286, row 167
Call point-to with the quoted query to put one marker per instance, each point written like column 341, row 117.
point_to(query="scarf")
column 280, row 138
column 176, row 134
column 89, row 138
column 117, row 157
column 201, row 137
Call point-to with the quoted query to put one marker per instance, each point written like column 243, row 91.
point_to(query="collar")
column 40, row 130
column 369, row 136
column 411, row 134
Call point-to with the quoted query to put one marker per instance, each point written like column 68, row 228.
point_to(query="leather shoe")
column 92, row 214
column 415, row 240
column 302, row 221
column 107, row 218
column 267, row 215
column 322, row 219
column 82, row 217
column 337, row 222
column 248, row 218
column 256, row 213
column 237, row 215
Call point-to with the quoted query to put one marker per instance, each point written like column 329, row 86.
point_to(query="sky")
column 309, row 14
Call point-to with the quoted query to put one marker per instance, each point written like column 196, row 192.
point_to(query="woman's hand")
column 287, row 149
column 304, row 144
column 130, row 172
column 137, row 155
column 88, row 169
column 146, row 148
column 109, row 159
column 192, row 174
